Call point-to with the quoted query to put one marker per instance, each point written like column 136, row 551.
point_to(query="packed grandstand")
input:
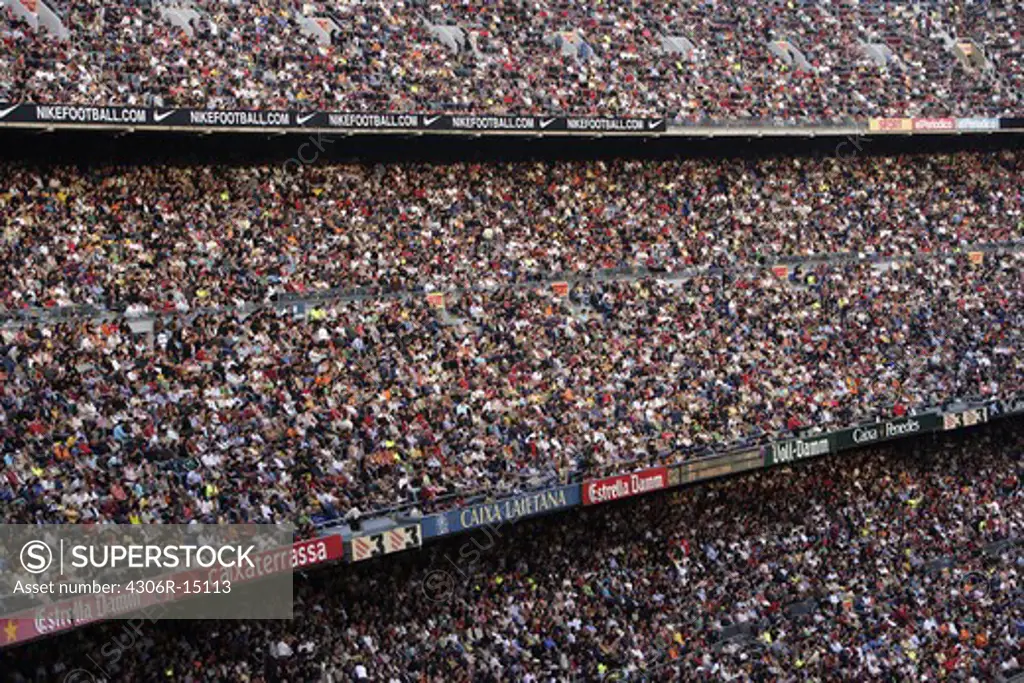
column 232, row 344
column 407, row 358
column 895, row 564
column 770, row 61
column 462, row 365
column 165, row 238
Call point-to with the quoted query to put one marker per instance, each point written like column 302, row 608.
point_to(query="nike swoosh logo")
column 429, row 120
column 302, row 119
column 651, row 125
column 544, row 123
column 158, row 117
column 5, row 112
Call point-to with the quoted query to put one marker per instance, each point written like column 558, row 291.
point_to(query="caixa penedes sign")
column 886, row 430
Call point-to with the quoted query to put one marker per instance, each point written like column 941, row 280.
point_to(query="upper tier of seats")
column 693, row 61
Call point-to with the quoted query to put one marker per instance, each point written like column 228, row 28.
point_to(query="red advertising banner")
column 934, row 124
column 609, row 489
column 88, row 609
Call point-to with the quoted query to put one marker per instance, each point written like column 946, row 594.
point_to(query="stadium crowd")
column 892, row 555
column 271, row 417
column 167, row 238
column 677, row 339
column 862, row 59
